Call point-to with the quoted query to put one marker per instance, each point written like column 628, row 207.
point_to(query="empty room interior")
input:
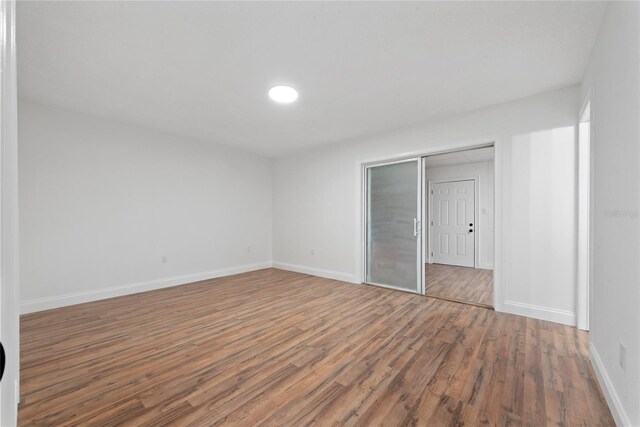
column 327, row 213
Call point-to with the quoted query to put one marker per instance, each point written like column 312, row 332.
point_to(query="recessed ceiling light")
column 283, row 94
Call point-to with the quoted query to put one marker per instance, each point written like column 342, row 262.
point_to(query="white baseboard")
column 615, row 405
column 344, row 277
column 539, row 312
column 116, row 291
column 487, row 266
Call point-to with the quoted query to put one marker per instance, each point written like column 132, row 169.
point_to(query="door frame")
column 419, row 246
column 428, row 259
column 9, row 266
column 499, row 203
column 585, row 200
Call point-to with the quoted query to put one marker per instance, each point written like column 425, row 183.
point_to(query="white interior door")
column 393, row 209
column 453, row 223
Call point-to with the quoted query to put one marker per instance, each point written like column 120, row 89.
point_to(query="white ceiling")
column 460, row 157
column 203, row 69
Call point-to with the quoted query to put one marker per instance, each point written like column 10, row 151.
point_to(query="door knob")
column 471, row 230
column 470, row 224
column 2, row 360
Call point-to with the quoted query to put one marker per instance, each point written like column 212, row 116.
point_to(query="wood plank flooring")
column 279, row 348
column 473, row 285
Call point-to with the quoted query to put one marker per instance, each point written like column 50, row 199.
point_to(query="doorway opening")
column 429, row 225
column 459, row 236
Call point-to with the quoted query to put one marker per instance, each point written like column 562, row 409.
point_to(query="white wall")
column 613, row 83
column 102, row 202
column 317, row 198
column 541, row 221
column 485, row 229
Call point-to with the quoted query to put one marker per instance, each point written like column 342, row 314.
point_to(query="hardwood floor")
column 465, row 284
column 280, row 348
